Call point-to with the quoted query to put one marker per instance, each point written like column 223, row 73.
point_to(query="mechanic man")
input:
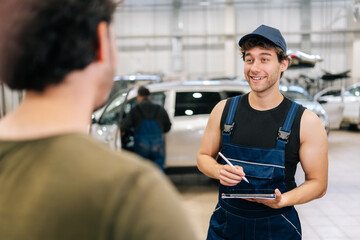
column 149, row 121
column 264, row 135
column 56, row 182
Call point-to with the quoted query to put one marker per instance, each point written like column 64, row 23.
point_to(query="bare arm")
column 313, row 155
column 209, row 148
column 313, row 158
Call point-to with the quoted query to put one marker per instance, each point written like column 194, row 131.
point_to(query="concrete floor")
column 335, row 216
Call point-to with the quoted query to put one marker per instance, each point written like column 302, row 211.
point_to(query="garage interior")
column 185, row 40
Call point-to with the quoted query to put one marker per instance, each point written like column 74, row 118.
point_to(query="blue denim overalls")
column 236, row 218
column 149, row 141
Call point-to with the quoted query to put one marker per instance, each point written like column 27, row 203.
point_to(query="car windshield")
column 296, row 96
column 112, row 110
column 332, row 93
column 126, row 84
column 355, row 91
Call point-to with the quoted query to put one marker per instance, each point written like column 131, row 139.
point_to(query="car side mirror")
column 322, row 101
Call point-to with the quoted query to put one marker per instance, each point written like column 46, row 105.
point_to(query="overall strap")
column 285, row 130
column 229, row 124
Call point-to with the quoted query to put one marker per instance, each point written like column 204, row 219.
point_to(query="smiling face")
column 262, row 69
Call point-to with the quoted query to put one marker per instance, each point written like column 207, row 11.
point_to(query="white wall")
column 187, row 40
column 145, row 31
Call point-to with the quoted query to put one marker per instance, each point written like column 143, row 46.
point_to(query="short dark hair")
column 143, row 91
column 44, row 40
column 263, row 43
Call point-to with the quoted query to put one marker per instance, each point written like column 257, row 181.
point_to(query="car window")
column 332, row 93
column 117, row 86
column 355, row 91
column 112, row 111
column 126, row 84
column 156, row 97
column 194, row 103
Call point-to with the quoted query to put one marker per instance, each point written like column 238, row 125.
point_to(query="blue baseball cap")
column 269, row 33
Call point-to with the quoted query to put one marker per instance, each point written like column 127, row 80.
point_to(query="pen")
column 228, row 162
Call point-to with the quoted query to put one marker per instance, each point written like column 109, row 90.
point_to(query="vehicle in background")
column 346, row 100
column 189, row 105
column 125, row 82
column 300, row 95
column 131, row 80
column 222, row 78
column 302, row 60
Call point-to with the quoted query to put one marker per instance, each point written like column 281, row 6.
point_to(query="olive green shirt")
column 72, row 187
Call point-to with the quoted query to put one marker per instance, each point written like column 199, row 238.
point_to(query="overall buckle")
column 228, row 128
column 283, row 135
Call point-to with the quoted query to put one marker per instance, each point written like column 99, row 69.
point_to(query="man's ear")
column 284, row 65
column 103, row 40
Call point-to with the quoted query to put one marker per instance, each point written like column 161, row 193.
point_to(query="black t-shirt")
column 260, row 129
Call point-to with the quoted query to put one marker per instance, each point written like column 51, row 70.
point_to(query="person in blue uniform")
column 149, row 122
column 264, row 135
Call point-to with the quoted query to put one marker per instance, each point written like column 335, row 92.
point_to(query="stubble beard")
column 263, row 86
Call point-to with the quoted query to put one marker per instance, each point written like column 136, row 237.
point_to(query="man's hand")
column 230, row 176
column 278, row 202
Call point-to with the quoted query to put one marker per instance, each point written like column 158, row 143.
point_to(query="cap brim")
column 252, row 35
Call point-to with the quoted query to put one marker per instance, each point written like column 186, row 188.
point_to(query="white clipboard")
column 250, row 195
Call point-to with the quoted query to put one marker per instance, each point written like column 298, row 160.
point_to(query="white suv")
column 346, row 102
column 188, row 105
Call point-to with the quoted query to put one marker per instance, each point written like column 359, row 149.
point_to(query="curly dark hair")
column 263, row 43
column 266, row 44
column 44, row 40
